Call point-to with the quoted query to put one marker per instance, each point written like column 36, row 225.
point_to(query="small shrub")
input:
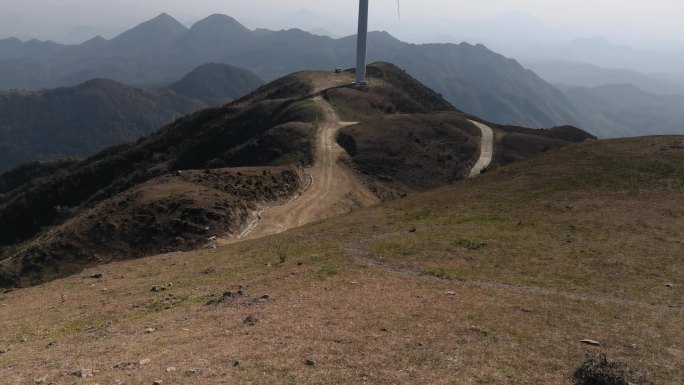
column 599, row 371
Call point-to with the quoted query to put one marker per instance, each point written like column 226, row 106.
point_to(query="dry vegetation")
column 495, row 280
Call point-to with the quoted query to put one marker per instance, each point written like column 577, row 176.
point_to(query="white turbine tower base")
column 361, row 44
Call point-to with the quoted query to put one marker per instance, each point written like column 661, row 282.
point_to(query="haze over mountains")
column 81, row 120
column 319, row 231
column 474, row 78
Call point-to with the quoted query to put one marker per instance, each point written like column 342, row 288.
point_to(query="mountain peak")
column 154, row 33
column 164, row 18
column 221, row 22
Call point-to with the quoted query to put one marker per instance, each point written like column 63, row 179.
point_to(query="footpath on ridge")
column 486, row 149
column 330, row 188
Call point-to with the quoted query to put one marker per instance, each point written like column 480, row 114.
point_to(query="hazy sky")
column 631, row 21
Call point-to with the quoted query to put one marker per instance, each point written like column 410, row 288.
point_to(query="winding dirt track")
column 332, row 188
column 486, row 149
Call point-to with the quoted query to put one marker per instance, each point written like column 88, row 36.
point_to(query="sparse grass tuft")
column 599, row 371
column 470, row 245
column 326, row 272
column 446, row 273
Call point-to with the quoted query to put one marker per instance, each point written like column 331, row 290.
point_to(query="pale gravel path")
column 333, row 189
column 486, row 149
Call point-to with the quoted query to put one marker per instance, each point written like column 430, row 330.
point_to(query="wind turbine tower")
column 361, row 44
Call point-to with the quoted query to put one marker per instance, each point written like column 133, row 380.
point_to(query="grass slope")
column 410, row 138
column 502, row 278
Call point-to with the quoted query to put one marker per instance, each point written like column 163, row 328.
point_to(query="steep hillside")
column 74, row 199
column 216, row 84
column 509, row 278
column 78, row 121
column 52, row 225
column 210, row 138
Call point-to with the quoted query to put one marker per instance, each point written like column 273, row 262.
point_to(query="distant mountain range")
column 472, row 77
column 626, row 110
column 162, row 49
column 81, row 120
column 603, row 53
column 567, row 73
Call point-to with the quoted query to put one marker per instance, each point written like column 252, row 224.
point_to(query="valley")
column 211, row 202
column 311, row 230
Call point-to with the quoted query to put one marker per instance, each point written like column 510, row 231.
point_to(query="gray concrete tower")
column 361, row 44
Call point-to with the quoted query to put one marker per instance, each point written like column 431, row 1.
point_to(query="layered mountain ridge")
column 205, row 175
column 478, row 80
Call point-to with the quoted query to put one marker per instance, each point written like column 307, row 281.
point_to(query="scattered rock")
column 4, row 351
column 127, row 366
column 97, row 276
column 144, row 361
column 413, row 230
column 450, row 292
column 40, row 381
column 158, row 382
column 263, row 298
column 82, row 373
column 236, row 363
column 49, row 345
column 170, row 369
column 150, row 330
column 669, row 285
column 591, row 342
column 384, row 330
column 193, row 372
column 310, row 362
column 526, row 310
column 208, row 271
column 251, row 320
column 353, row 283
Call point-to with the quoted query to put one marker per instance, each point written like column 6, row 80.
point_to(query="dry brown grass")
column 511, row 312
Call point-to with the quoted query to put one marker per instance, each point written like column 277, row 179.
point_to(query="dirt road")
column 486, row 149
column 332, row 189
